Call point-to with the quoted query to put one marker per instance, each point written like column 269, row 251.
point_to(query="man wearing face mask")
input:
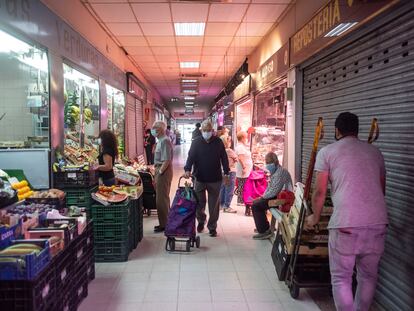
column 207, row 157
column 279, row 180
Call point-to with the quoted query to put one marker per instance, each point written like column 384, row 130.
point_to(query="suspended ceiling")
column 145, row 29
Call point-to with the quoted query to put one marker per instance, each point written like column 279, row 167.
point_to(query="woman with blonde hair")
column 244, row 165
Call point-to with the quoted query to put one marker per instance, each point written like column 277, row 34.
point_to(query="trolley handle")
column 183, row 177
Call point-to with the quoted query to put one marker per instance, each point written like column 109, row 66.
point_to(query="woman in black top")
column 149, row 144
column 108, row 153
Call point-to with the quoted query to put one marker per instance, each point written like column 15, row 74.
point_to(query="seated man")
column 279, row 180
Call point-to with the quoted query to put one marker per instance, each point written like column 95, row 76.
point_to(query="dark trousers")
column 213, row 190
column 259, row 209
column 150, row 155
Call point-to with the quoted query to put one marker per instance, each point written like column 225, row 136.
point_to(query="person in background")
column 207, row 156
column 226, row 192
column 108, row 152
column 163, row 173
column 149, row 144
column 357, row 228
column 244, row 165
column 220, row 131
column 280, row 179
column 196, row 133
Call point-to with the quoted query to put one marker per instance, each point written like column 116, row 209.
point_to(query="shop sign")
column 242, row 89
column 38, row 22
column 273, row 68
column 329, row 21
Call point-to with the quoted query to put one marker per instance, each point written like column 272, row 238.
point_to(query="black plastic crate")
column 78, row 179
column 79, row 287
column 147, row 181
column 112, row 251
column 64, row 265
column 37, row 295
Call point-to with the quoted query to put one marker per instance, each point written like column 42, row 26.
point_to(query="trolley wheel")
column 148, row 212
column 294, row 291
column 197, row 241
column 188, row 246
column 170, row 245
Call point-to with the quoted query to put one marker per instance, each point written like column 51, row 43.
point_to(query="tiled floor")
column 230, row 272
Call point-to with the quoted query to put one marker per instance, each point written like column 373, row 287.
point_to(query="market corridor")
column 230, row 272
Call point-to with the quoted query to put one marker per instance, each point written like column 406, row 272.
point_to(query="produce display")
column 73, row 154
column 265, row 140
column 7, row 193
column 72, row 111
column 107, row 194
column 49, row 194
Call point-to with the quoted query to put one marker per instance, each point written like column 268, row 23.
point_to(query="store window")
column 116, row 115
column 24, row 94
column 269, row 123
column 244, row 116
column 81, row 116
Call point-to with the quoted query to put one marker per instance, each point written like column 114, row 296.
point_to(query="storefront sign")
column 273, row 68
column 35, row 20
column 242, row 89
column 328, row 24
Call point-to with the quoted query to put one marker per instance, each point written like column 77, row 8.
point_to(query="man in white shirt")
column 357, row 228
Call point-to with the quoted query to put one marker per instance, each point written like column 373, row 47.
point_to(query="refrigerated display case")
column 269, row 124
column 82, row 116
column 116, row 115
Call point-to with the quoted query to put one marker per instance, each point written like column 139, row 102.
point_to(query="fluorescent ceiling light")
column 189, row 97
column 340, row 29
column 189, row 103
column 189, row 29
column 189, row 64
column 189, row 81
column 190, row 91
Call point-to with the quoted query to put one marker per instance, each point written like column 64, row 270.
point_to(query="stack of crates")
column 80, row 197
column 137, row 222
column 113, row 231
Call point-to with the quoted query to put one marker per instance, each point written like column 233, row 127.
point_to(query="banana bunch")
column 72, row 110
column 87, row 112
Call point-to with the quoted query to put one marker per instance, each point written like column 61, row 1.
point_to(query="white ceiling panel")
column 104, row 1
column 214, row 50
column 189, row 58
column 272, row 1
column 227, row 12
column 124, row 29
column 157, row 29
column 217, row 41
column 144, row 58
column 169, row 65
column 164, row 50
column 221, row 29
column 212, row 59
column 189, row 50
column 113, row 13
column 138, row 50
column 167, row 58
column 254, row 29
column 189, row 41
column 189, row 12
column 161, row 41
column 132, row 41
column 263, row 13
column 152, row 12
column 147, row 64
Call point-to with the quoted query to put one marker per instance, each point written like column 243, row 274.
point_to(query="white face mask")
column 207, row 135
column 99, row 141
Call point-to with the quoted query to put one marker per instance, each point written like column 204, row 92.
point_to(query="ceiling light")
column 189, row 81
column 190, row 91
column 189, row 64
column 189, row 29
column 340, row 29
column 189, row 98
column 189, row 103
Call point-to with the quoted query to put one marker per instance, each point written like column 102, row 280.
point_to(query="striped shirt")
column 279, row 180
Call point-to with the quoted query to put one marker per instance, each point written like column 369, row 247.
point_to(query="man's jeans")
column 213, row 190
column 227, row 191
column 348, row 247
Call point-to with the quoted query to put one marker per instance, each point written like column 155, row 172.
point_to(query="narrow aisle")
column 229, row 272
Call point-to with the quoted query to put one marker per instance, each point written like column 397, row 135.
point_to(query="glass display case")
column 24, row 94
column 244, row 116
column 269, row 124
column 81, row 115
column 116, row 115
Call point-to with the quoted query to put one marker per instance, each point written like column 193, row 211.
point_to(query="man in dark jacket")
column 196, row 133
column 206, row 157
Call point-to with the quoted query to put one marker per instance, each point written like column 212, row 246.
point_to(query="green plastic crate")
column 111, row 232
column 112, row 214
column 112, row 251
column 80, row 197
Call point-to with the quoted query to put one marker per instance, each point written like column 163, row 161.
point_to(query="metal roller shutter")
column 372, row 75
column 139, row 127
column 131, row 132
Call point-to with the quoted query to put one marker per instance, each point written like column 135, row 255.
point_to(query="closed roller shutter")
column 139, row 127
column 131, row 132
column 372, row 74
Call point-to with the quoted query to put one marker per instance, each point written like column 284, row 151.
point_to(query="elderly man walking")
column 206, row 157
column 163, row 173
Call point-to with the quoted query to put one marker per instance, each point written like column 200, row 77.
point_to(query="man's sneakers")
column 200, row 227
column 229, row 210
column 213, row 233
column 263, row 236
column 158, row 229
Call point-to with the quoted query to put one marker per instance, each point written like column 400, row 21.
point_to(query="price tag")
column 71, row 175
